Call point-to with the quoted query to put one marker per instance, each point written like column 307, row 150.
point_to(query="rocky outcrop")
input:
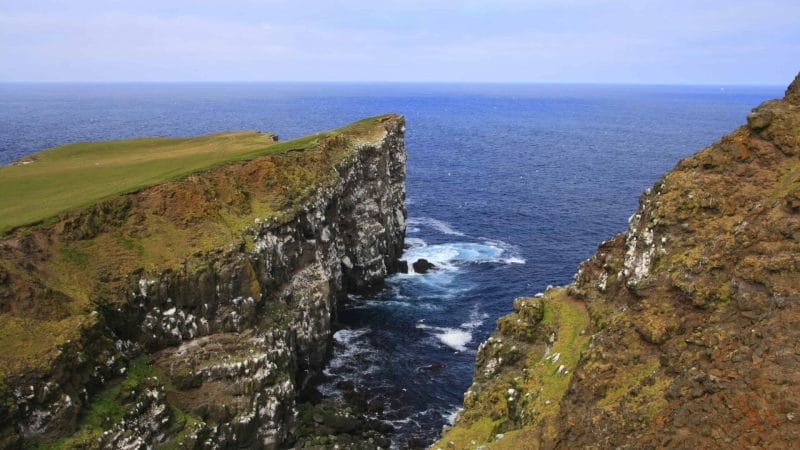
column 422, row 265
column 679, row 332
column 211, row 350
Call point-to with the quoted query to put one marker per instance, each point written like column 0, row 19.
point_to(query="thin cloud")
column 432, row 40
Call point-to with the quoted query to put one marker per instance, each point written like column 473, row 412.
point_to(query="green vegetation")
column 526, row 394
column 76, row 175
column 71, row 176
column 106, row 408
column 110, row 406
column 29, row 343
column 210, row 206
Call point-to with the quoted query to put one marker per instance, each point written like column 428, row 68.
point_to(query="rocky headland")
column 681, row 332
column 192, row 313
column 196, row 312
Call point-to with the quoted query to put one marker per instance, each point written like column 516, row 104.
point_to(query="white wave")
column 347, row 336
column 436, row 224
column 414, row 242
column 447, row 255
column 388, row 303
column 438, row 284
column 476, row 319
column 396, row 304
column 412, row 230
column 508, row 249
column 401, row 422
column 455, row 338
column 352, row 348
column 452, row 414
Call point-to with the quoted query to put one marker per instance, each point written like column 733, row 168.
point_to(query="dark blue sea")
column 509, row 188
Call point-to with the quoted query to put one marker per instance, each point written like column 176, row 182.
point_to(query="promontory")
column 180, row 292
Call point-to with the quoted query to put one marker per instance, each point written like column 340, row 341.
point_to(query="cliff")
column 191, row 312
column 680, row 332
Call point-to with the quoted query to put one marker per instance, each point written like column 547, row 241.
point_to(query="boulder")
column 435, row 367
column 402, row 266
column 422, row 265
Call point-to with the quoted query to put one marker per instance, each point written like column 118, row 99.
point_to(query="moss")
column 528, row 393
column 479, row 432
column 110, row 405
column 625, row 380
column 652, row 397
column 171, row 225
column 183, row 425
column 571, row 321
column 278, row 314
column 132, row 244
column 6, row 398
column 105, row 408
column 30, row 344
column 75, row 256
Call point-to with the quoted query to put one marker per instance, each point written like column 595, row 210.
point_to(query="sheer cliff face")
column 680, row 332
column 211, row 350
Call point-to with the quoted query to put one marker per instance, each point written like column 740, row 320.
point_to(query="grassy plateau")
column 186, row 196
column 42, row 185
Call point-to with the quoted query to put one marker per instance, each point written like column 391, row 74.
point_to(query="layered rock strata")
column 210, row 349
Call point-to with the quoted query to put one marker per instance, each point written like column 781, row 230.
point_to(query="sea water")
column 509, row 188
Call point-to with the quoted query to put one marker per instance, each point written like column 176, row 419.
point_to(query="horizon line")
column 408, row 82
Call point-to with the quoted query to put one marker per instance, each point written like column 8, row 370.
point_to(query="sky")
column 719, row 42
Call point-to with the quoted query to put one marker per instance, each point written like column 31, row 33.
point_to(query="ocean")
column 509, row 188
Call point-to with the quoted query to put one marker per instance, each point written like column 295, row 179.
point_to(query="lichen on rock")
column 221, row 286
column 692, row 317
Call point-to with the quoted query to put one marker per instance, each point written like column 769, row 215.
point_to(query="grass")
column 106, row 408
column 27, row 343
column 537, row 381
column 110, row 405
column 571, row 319
column 66, row 286
column 71, row 176
column 76, row 175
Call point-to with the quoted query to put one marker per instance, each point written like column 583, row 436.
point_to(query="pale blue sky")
column 590, row 41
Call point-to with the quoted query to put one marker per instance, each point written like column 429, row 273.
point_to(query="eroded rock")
column 422, row 265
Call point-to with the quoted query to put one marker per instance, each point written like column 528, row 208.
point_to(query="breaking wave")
column 436, row 224
column 455, row 338
column 449, row 255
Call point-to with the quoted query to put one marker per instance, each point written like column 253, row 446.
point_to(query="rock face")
column 210, row 352
column 680, row 332
column 422, row 265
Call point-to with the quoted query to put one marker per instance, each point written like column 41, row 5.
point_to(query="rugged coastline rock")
column 680, row 332
column 422, row 265
column 191, row 313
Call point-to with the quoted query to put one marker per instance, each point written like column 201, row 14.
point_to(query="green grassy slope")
column 49, row 301
column 55, row 180
column 75, row 175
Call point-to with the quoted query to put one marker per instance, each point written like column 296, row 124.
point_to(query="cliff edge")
column 189, row 313
column 681, row 332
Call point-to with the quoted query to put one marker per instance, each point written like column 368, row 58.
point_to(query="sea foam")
column 436, row 224
column 449, row 255
column 455, row 338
